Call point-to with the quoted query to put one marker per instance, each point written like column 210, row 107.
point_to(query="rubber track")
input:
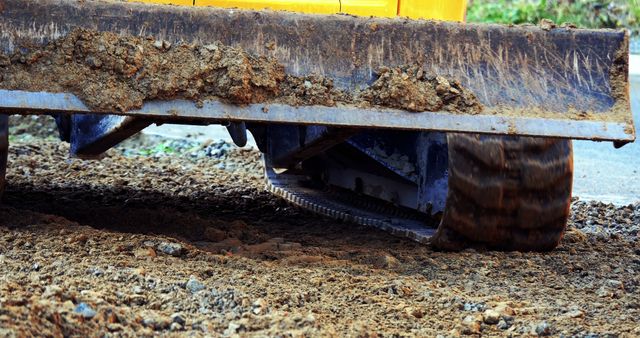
column 510, row 193
column 4, row 149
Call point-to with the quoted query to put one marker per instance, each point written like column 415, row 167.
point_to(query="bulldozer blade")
column 530, row 80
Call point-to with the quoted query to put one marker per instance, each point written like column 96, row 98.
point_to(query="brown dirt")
column 410, row 88
column 115, row 73
column 77, row 232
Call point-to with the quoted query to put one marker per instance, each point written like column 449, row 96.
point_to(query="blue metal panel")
column 91, row 135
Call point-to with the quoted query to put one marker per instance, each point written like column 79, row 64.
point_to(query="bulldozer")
column 486, row 160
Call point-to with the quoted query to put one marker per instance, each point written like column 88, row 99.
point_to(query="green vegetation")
column 583, row 13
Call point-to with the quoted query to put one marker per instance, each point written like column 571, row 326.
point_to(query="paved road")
column 607, row 174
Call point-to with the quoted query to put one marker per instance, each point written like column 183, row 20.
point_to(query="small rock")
column 503, row 325
column 573, row 314
column 52, row 291
column 258, row 306
column 504, row 309
column 145, row 252
column 137, row 289
column 543, row 329
column 93, row 62
column 194, row 285
column 546, row 24
column 471, row 324
column 178, row 318
column 113, row 327
column 491, row 317
column 211, row 47
column 615, row 284
column 97, row 272
column 233, row 328
column 85, row 310
column 155, row 321
column 415, row 312
column 176, row 327
column 172, row 249
column 475, row 307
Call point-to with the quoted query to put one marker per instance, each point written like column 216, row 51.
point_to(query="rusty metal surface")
column 522, row 66
column 215, row 111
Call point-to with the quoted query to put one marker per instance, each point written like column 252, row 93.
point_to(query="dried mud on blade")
column 538, row 81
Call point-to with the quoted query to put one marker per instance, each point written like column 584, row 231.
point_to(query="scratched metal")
column 522, row 66
column 347, row 116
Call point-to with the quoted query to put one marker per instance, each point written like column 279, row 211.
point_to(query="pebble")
column 85, row 310
column 573, row 314
column 232, row 329
column 615, row 284
column 491, row 317
column 471, row 324
column 97, row 272
column 51, row 291
column 178, row 318
column 172, row 249
column 475, row 307
column 194, row 285
column 155, row 321
column 258, row 306
column 543, row 329
column 503, row 325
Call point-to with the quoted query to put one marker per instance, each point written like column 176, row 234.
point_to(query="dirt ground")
column 159, row 239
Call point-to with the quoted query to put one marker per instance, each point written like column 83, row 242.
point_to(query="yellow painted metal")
column 167, row 2
column 450, row 10
column 382, row 8
column 453, row 10
column 315, row 6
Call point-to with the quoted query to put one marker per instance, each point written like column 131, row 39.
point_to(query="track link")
column 359, row 210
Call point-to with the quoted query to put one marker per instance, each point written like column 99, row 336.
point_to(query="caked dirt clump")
column 410, row 88
column 109, row 72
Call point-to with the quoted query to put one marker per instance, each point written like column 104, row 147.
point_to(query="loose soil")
column 109, row 72
column 176, row 244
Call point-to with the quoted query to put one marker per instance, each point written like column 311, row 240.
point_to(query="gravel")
column 252, row 265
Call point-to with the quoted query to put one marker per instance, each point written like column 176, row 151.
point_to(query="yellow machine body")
column 449, row 10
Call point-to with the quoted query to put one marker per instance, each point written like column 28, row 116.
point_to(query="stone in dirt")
column 194, row 285
column 491, row 317
column 85, row 310
column 172, row 249
column 471, row 324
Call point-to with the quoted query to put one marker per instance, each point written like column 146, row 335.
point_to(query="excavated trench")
column 109, row 72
